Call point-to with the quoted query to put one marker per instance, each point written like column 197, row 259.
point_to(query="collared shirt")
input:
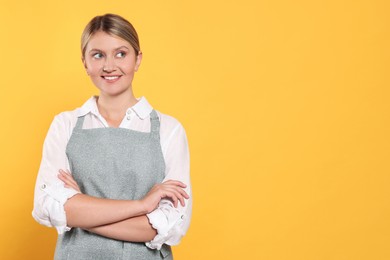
column 50, row 194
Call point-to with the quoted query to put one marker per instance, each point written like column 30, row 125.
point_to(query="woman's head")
column 111, row 54
column 113, row 25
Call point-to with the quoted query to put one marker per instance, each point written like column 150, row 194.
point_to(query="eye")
column 97, row 55
column 121, row 54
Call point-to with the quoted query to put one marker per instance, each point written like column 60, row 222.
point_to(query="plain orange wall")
column 285, row 104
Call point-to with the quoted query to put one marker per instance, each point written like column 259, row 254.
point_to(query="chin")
column 112, row 92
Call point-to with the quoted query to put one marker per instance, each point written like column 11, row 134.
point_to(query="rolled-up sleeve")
column 50, row 194
column 172, row 223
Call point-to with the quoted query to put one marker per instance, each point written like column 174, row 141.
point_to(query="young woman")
column 114, row 176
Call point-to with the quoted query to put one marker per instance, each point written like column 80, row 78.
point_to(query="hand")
column 67, row 178
column 170, row 189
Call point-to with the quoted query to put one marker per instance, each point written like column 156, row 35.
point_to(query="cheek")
column 127, row 64
column 95, row 71
column 94, row 67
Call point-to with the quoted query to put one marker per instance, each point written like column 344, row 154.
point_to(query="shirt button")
column 182, row 216
column 129, row 117
column 129, row 112
column 43, row 186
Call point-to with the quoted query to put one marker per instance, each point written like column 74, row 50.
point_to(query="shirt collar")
column 142, row 108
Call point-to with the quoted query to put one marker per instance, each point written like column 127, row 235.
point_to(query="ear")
column 138, row 61
column 85, row 64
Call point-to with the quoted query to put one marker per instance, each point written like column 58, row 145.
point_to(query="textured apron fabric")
column 115, row 163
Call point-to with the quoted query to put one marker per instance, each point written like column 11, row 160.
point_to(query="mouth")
column 111, row 78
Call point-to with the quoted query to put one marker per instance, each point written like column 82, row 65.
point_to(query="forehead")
column 104, row 41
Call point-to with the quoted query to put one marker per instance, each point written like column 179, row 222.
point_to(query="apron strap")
column 80, row 122
column 154, row 124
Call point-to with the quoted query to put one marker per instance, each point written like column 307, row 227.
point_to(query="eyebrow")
column 114, row 49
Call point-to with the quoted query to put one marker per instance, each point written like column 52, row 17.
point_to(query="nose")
column 109, row 65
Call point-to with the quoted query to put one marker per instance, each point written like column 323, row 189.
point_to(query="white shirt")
column 50, row 194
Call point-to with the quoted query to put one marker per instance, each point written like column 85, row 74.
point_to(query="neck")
column 113, row 108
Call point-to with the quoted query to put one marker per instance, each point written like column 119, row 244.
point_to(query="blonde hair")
column 111, row 24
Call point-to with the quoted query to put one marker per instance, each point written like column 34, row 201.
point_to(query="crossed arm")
column 119, row 219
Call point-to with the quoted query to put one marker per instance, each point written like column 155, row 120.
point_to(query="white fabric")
column 50, row 194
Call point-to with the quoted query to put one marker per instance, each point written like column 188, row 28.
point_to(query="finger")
column 178, row 196
column 68, row 183
column 72, row 187
column 179, row 192
column 63, row 175
column 173, row 197
column 175, row 202
column 69, row 186
column 177, row 183
column 72, row 181
column 68, row 177
column 182, row 201
column 62, row 178
column 182, row 192
column 65, row 181
column 68, row 180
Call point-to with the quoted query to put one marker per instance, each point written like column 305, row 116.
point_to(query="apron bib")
column 115, row 163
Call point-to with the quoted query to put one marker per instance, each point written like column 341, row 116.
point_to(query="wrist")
column 141, row 206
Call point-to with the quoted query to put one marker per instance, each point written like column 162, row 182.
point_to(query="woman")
column 118, row 168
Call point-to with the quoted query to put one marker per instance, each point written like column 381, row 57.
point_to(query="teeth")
column 111, row 78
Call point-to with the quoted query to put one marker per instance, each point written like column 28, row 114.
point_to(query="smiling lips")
column 111, row 78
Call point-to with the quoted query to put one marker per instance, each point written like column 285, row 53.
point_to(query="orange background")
column 285, row 104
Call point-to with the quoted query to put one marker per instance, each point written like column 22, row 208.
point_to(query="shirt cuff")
column 167, row 220
column 56, row 211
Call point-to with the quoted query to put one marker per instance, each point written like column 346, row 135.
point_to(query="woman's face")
column 111, row 63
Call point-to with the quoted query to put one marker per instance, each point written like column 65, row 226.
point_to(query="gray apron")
column 115, row 163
